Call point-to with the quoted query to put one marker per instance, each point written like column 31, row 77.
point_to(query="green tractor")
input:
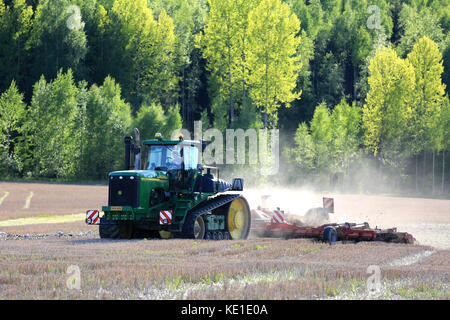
column 169, row 194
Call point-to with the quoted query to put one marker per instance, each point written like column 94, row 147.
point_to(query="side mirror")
column 237, row 184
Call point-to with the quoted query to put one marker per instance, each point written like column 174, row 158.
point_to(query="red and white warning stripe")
column 278, row 216
column 92, row 217
column 165, row 217
column 328, row 203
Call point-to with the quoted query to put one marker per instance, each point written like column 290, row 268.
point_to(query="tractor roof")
column 171, row 142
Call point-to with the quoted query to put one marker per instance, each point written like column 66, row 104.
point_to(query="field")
column 41, row 260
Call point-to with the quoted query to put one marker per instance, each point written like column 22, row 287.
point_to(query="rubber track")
column 109, row 229
column 202, row 208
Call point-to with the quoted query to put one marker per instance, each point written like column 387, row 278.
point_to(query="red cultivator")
column 272, row 223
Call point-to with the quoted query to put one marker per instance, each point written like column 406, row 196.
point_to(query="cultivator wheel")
column 329, row 235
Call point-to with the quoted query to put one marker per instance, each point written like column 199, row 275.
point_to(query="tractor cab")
column 178, row 159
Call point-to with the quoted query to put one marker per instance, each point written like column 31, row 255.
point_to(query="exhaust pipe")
column 128, row 149
column 133, row 148
column 137, row 150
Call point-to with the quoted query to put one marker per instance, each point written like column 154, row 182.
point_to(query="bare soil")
column 35, row 259
column 49, row 199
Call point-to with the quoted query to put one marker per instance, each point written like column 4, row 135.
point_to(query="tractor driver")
column 176, row 159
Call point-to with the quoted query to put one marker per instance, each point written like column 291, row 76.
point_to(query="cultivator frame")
column 272, row 223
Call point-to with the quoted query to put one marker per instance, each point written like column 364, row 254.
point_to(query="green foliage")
column 54, row 44
column 429, row 94
column 417, row 23
column 304, row 151
column 152, row 119
column 16, row 25
column 388, row 104
column 204, row 118
column 331, row 88
column 155, row 62
column 224, row 44
column 12, row 112
column 220, row 111
column 273, row 38
column 346, row 134
column 188, row 18
column 106, row 120
column 54, row 108
column 446, row 123
column 248, row 116
column 321, row 135
column 330, row 143
column 145, row 52
column 231, row 64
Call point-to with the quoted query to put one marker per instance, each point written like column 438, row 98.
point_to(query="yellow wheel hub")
column 165, row 234
column 238, row 219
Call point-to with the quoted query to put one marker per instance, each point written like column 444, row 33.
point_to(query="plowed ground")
column 43, row 261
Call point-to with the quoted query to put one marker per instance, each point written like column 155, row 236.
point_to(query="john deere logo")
column 119, row 192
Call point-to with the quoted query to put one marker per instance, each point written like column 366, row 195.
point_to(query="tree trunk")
column 183, row 97
column 424, row 169
column 267, row 92
column 346, row 182
column 433, row 172
column 230, row 85
column 18, row 60
column 417, row 173
column 243, row 83
column 57, row 57
column 243, row 69
column 380, row 175
column 101, row 51
column 231, row 99
column 443, row 171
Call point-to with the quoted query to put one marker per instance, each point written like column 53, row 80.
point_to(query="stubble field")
column 42, row 260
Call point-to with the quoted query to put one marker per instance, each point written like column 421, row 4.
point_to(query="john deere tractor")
column 169, row 194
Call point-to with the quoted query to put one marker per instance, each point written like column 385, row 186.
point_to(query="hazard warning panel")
column 278, row 216
column 328, row 203
column 92, row 217
column 165, row 217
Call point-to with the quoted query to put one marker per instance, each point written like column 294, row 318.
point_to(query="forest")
column 357, row 88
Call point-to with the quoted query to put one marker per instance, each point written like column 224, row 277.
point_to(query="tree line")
column 70, row 130
column 341, row 79
column 406, row 113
